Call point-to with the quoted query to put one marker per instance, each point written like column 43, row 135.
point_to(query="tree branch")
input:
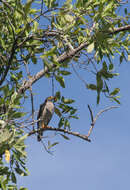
column 65, row 56
column 84, row 137
column 97, row 116
column 120, row 29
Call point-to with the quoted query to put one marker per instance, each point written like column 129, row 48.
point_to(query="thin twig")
column 91, row 113
column 77, row 74
column 45, row 147
column 31, row 93
column 42, row 7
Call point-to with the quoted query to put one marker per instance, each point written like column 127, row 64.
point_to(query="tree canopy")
column 58, row 35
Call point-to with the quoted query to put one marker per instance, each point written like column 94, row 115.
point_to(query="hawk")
column 45, row 114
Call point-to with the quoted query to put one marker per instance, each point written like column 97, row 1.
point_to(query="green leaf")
column 98, row 98
column 58, row 95
column 23, row 188
column 5, row 89
column 49, row 52
column 69, row 18
column 3, row 185
column 13, row 97
column 90, row 48
column 20, row 150
column 65, row 137
column 51, row 145
column 121, row 59
column 13, row 178
column 128, row 57
column 91, row 86
column 35, row 25
column 20, row 171
column 28, row 6
column 111, row 66
column 125, row 10
column 74, row 117
column 116, row 100
column 65, row 72
column 6, row 136
column 73, row 111
column 67, row 123
column 60, row 79
column 21, row 139
column 104, row 66
column 18, row 114
column 61, row 122
column 67, row 101
column 57, row 111
column 13, row 77
column 115, row 74
column 99, row 82
column 116, row 91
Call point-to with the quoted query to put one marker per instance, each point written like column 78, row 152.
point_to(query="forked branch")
column 93, row 120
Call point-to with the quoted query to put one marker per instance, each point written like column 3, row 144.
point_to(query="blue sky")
column 76, row 164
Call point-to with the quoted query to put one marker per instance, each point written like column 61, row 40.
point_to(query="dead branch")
column 97, row 116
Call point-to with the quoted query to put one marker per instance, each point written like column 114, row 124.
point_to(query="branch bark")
column 84, row 137
column 120, row 29
column 65, row 56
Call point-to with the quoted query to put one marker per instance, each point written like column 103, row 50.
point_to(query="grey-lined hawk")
column 45, row 114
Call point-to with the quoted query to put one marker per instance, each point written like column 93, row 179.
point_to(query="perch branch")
column 84, row 137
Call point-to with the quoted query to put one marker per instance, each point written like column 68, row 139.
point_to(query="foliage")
column 56, row 34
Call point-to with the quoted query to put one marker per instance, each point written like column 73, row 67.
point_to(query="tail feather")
column 39, row 136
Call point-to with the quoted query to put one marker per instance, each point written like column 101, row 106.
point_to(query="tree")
column 58, row 35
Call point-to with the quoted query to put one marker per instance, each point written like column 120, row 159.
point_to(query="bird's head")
column 50, row 98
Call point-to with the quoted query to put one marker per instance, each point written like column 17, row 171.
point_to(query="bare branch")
column 97, row 116
column 84, row 137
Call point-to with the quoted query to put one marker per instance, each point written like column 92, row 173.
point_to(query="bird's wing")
column 42, row 106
